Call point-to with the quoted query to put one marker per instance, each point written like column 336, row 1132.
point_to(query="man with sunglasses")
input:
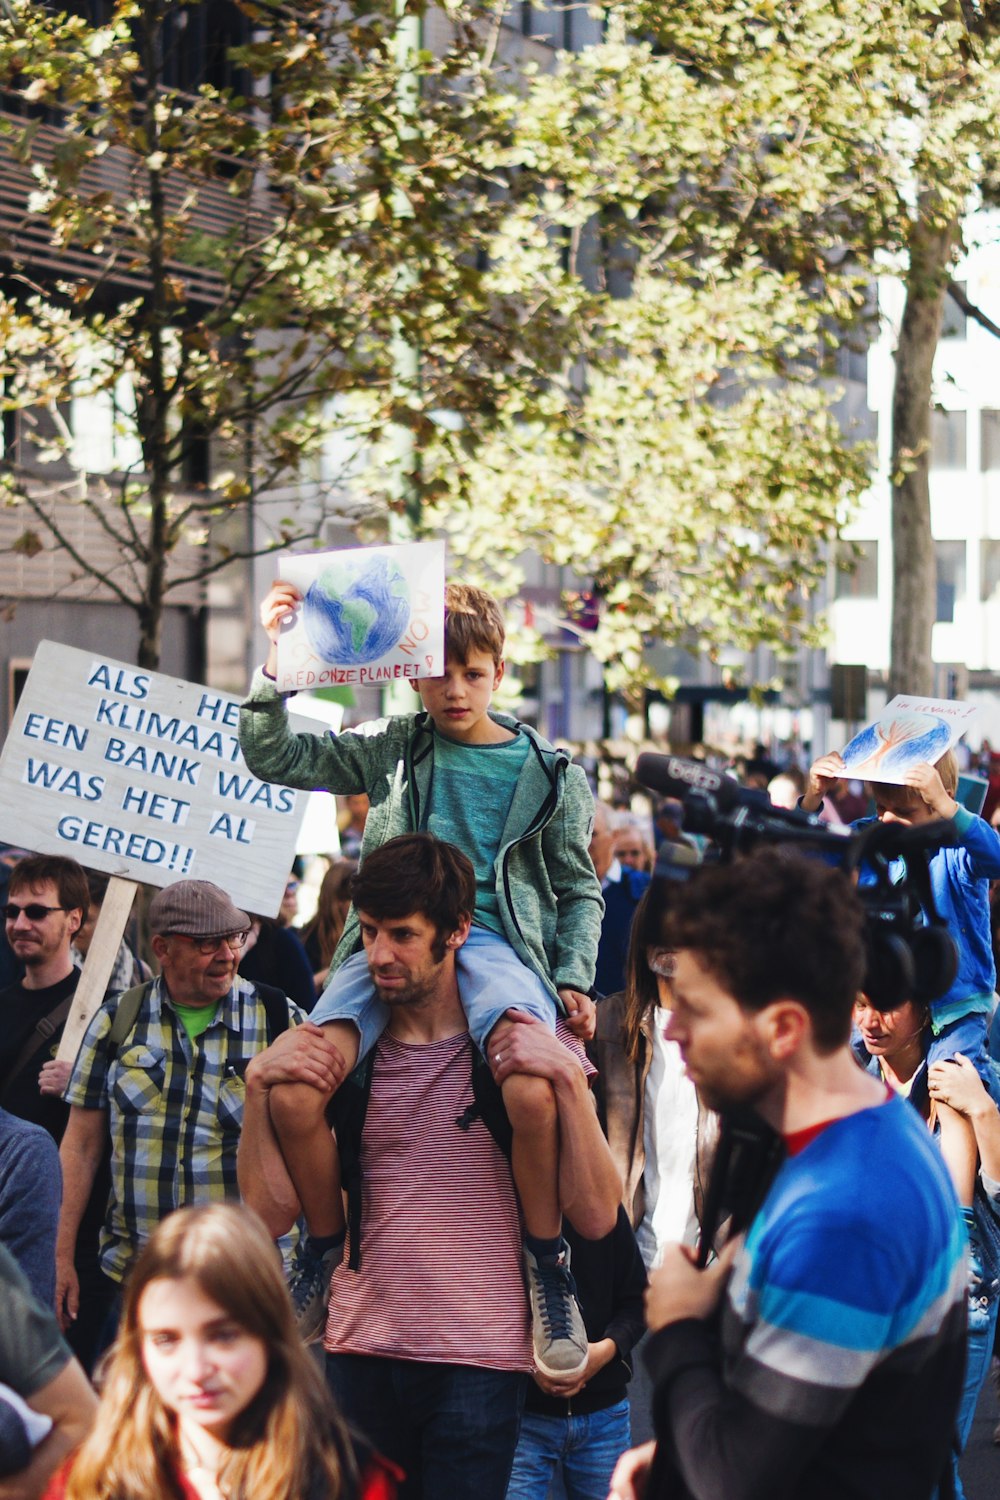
column 170, row 1090
column 47, row 903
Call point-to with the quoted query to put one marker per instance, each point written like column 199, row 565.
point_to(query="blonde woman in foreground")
column 209, row 1393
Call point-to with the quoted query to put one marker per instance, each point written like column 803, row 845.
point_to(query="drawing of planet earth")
column 887, row 749
column 353, row 617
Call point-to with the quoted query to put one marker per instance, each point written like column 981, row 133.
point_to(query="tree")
column 837, row 141
column 688, row 220
column 621, row 282
column 230, row 255
column 753, row 168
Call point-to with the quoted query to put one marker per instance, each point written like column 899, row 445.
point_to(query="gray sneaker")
column 558, row 1335
column 309, row 1287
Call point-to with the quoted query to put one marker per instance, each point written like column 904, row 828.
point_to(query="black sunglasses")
column 34, row 911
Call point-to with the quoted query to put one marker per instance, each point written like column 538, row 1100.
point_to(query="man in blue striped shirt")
column 822, row 1355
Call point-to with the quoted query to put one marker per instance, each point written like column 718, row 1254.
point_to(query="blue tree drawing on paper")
column 892, row 746
column 353, row 617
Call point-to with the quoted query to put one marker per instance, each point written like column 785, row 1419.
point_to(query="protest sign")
column 98, row 965
column 908, row 730
column 140, row 775
column 369, row 616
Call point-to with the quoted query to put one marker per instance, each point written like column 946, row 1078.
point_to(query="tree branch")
column 970, row 309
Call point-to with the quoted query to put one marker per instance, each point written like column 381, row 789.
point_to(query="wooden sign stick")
column 98, row 964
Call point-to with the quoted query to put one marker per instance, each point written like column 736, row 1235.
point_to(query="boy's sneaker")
column 309, row 1286
column 558, row 1335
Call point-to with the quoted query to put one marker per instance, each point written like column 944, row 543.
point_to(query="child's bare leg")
column 531, row 1108
column 958, row 1147
column 298, row 1114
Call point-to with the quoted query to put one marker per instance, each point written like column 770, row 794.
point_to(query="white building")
column 965, row 500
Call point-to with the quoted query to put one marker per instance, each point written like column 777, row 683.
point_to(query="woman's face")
column 204, row 1366
column 885, row 1032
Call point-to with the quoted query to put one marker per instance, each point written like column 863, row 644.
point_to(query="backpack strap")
column 40, row 1033
column 487, row 1105
column 346, row 1112
column 127, row 1013
column 130, row 1003
column 275, row 1003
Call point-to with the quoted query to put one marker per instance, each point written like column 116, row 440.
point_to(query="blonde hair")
column 472, row 622
column 908, row 796
column 287, row 1439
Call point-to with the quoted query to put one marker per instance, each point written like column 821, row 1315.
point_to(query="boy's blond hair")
column 908, row 796
column 472, row 622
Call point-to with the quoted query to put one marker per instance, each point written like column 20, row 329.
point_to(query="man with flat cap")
column 162, row 1072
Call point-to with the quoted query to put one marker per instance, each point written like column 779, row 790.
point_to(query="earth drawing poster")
column 368, row 615
column 908, row 730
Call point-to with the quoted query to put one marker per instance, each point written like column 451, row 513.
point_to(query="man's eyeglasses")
column 34, row 911
column 233, row 940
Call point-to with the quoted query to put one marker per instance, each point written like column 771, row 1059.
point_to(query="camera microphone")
column 673, row 776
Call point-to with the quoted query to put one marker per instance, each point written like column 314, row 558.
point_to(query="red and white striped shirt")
column 440, row 1279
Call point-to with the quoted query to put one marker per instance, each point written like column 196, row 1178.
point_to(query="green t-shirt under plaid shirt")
column 175, row 1109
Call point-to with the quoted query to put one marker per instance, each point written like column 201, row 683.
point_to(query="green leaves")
column 588, row 308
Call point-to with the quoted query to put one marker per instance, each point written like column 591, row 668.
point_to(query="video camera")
column 910, row 952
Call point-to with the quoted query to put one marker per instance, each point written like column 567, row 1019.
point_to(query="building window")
column 989, row 568
column 950, row 559
column 989, row 440
column 954, row 322
column 856, row 574
column 105, row 434
column 948, row 431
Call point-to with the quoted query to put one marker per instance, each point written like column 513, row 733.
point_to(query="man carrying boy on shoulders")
column 427, row 1336
column 522, row 813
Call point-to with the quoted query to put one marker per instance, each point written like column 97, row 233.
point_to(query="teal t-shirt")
column 472, row 788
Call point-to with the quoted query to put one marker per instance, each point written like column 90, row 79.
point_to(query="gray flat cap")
column 197, row 909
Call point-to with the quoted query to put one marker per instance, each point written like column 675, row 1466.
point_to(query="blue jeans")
column 452, row 1429
column 583, row 1450
column 979, row 1349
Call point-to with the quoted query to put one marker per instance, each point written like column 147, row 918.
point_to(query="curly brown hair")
column 776, row 925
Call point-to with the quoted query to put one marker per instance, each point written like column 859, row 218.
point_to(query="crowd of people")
column 548, row 1135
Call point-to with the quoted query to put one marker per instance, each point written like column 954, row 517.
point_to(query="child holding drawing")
column 960, row 879
column 522, row 813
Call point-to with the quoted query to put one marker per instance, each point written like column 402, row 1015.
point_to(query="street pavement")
column 980, row 1466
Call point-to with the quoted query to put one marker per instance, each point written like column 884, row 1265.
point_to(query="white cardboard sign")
column 908, row 730
column 369, row 615
column 140, row 775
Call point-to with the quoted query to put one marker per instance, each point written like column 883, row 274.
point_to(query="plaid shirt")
column 175, row 1108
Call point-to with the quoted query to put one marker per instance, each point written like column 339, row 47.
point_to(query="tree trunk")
column 914, row 573
column 155, row 435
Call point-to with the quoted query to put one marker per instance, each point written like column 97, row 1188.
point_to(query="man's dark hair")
column 417, row 873
column 69, row 879
column 776, row 925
